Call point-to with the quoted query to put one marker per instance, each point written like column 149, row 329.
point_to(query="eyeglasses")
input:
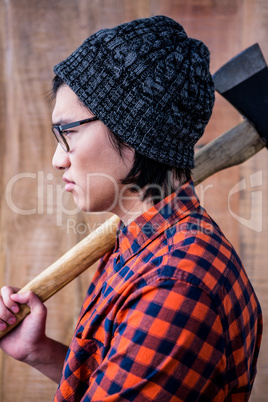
column 59, row 130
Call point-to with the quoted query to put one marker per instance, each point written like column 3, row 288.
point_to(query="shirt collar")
column 176, row 206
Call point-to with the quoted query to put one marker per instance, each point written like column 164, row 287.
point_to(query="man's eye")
column 66, row 132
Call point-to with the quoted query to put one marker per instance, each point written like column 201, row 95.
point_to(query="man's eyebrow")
column 62, row 122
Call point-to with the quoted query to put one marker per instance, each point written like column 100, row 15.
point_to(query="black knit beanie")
column 149, row 83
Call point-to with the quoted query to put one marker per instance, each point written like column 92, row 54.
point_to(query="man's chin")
column 92, row 205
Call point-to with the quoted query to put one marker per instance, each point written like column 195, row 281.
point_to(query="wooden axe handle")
column 232, row 148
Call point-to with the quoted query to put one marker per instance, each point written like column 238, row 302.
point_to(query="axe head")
column 243, row 81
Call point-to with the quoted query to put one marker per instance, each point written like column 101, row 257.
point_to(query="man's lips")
column 69, row 184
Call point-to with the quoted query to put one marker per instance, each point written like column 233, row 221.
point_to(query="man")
column 170, row 314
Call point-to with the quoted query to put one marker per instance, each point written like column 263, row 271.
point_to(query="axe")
column 244, row 82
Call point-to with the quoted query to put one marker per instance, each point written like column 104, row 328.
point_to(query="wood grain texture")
column 38, row 222
column 2, row 146
column 253, row 206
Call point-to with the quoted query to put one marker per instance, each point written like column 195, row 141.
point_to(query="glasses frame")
column 58, row 131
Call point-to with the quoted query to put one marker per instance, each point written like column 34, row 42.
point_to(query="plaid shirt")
column 170, row 315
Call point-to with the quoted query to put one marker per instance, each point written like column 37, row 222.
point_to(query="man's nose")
column 60, row 158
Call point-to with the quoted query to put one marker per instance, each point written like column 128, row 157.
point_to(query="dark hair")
column 155, row 179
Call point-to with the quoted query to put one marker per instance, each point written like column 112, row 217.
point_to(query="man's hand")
column 28, row 341
column 23, row 341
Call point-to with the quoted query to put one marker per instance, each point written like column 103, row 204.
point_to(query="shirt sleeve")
column 167, row 344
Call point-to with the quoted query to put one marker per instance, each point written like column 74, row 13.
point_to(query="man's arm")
column 28, row 342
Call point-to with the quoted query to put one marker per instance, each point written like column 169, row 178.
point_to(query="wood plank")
column 29, row 150
column 253, row 204
column 2, row 154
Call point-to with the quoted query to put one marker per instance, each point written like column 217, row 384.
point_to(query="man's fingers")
column 7, row 306
column 10, row 303
column 6, row 292
column 32, row 301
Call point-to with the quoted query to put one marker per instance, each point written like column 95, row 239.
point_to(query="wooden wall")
column 38, row 222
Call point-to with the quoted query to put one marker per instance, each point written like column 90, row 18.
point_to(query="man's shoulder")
column 193, row 250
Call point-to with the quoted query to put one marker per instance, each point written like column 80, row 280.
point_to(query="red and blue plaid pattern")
column 170, row 315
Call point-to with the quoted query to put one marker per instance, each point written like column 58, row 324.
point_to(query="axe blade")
column 243, row 81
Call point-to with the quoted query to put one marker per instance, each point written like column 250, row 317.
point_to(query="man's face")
column 93, row 168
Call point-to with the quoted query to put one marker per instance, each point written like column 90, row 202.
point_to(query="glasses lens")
column 61, row 140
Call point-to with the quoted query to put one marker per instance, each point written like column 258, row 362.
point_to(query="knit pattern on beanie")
column 149, row 83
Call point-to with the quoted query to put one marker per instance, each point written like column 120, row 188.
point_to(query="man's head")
column 150, row 85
